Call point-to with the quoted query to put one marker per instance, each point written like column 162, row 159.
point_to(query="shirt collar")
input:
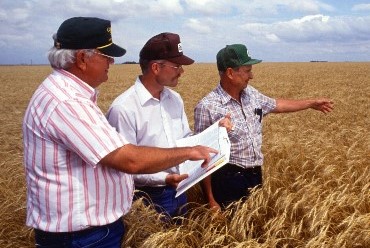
column 144, row 95
column 83, row 88
column 225, row 97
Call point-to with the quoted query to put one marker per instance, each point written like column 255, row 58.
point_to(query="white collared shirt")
column 146, row 121
column 65, row 135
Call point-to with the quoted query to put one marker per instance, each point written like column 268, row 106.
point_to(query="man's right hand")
column 202, row 153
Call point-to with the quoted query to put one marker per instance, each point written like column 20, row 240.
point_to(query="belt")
column 80, row 233
column 155, row 190
column 145, row 188
column 235, row 169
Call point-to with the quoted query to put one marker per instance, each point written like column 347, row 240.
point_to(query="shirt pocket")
column 257, row 123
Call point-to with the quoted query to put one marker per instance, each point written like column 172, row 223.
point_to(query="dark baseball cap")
column 87, row 33
column 233, row 56
column 165, row 46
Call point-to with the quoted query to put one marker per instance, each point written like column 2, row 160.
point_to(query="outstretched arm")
column 285, row 105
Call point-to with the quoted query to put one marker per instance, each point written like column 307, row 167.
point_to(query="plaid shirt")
column 246, row 138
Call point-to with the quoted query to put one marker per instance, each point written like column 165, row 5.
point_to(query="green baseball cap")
column 233, row 56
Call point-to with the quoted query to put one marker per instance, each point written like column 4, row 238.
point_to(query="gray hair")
column 64, row 58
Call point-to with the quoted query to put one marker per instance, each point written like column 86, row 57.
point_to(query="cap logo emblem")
column 179, row 47
column 109, row 30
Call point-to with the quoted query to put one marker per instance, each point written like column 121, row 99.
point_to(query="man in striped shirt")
column 247, row 106
column 77, row 165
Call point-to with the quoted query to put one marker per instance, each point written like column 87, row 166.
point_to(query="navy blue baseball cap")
column 87, row 33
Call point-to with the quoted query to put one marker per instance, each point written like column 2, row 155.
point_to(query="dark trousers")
column 163, row 199
column 232, row 183
column 107, row 236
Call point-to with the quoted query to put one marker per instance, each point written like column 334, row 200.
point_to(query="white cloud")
column 198, row 26
column 312, row 29
column 113, row 9
column 18, row 17
column 209, row 6
column 361, row 7
column 18, row 14
column 205, row 26
column 18, row 40
column 268, row 9
column 272, row 38
column 311, row 18
column 310, row 6
column 257, row 8
column 163, row 7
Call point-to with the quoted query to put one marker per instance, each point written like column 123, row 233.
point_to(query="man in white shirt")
column 151, row 114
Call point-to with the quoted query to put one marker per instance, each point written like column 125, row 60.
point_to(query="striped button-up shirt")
column 65, row 135
column 246, row 116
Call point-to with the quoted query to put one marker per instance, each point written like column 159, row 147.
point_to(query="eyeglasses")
column 175, row 67
column 104, row 55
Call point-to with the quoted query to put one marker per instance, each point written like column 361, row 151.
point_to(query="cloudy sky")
column 284, row 30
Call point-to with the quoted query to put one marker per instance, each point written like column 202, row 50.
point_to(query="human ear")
column 155, row 68
column 81, row 58
column 229, row 72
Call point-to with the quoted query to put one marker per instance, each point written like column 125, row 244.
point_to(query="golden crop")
column 316, row 190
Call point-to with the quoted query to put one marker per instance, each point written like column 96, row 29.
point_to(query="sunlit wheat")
column 316, row 190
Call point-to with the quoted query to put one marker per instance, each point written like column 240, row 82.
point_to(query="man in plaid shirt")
column 247, row 107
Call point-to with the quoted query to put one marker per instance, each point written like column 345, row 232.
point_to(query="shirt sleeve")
column 156, row 179
column 202, row 117
column 124, row 121
column 267, row 103
column 83, row 128
column 185, row 124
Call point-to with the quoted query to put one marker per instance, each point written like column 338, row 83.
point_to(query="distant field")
column 316, row 189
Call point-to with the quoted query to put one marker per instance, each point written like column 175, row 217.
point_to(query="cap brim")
column 252, row 62
column 181, row 60
column 113, row 50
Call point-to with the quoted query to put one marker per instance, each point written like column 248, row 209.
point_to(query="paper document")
column 215, row 137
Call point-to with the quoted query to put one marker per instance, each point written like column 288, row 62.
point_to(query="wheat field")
column 316, row 190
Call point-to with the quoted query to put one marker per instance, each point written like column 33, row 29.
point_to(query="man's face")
column 169, row 73
column 97, row 66
column 242, row 75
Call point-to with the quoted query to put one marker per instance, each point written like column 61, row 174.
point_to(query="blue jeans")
column 108, row 236
column 163, row 199
column 232, row 183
